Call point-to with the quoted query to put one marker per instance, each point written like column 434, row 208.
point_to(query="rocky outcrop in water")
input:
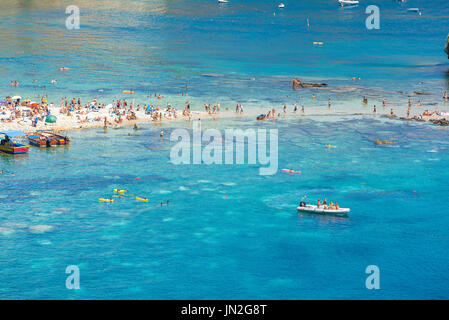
column 441, row 122
column 378, row 142
column 446, row 48
column 297, row 83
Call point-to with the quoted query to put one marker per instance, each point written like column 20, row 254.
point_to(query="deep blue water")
column 228, row 232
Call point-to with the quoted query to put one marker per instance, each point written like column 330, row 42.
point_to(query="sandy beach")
column 29, row 116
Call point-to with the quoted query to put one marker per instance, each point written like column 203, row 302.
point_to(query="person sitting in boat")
column 302, row 204
column 6, row 142
column 337, row 206
column 318, row 203
column 324, row 203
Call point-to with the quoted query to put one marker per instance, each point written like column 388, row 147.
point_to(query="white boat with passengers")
column 322, row 209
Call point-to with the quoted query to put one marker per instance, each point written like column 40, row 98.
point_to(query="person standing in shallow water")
column 374, row 110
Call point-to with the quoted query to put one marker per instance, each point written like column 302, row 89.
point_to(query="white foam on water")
column 15, row 225
column 34, row 193
column 164, row 191
column 43, row 214
column 230, row 184
column 6, row 231
column 167, row 219
column 203, row 181
column 182, row 188
column 60, row 210
column 40, row 228
column 110, row 237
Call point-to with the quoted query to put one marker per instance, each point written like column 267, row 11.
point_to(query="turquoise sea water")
column 228, row 232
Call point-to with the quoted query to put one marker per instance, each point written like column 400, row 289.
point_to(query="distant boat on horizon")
column 223, row 1
column 281, row 5
column 348, row 2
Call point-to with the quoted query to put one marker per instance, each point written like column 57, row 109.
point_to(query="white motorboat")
column 348, row 2
column 223, row 1
column 281, row 5
column 315, row 209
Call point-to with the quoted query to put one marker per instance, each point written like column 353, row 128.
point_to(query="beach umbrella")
column 16, row 97
column 50, row 119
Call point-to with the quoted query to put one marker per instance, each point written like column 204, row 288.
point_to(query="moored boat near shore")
column 59, row 139
column 11, row 147
column 38, row 140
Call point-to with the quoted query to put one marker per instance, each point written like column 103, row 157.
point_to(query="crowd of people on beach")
column 33, row 114
column 29, row 113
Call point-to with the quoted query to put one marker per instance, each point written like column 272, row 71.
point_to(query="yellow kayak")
column 105, row 200
column 120, row 191
column 142, row 199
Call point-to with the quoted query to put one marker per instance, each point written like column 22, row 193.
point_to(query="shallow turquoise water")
column 228, row 232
